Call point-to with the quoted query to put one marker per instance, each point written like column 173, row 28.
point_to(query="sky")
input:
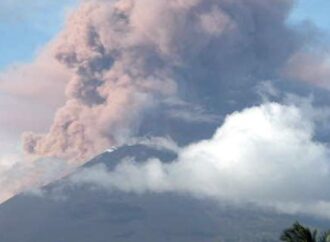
column 205, row 78
column 25, row 24
column 21, row 20
column 315, row 11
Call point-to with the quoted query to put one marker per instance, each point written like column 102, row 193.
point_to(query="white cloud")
column 264, row 155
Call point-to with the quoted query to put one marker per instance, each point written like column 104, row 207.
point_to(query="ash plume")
column 129, row 56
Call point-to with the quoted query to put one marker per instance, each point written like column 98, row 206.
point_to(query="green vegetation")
column 300, row 233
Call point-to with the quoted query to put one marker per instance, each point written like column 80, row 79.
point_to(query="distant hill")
column 67, row 213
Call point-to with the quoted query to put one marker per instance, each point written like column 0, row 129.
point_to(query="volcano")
column 66, row 213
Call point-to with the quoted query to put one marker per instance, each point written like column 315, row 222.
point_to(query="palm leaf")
column 299, row 233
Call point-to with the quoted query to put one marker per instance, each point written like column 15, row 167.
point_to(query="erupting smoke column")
column 129, row 55
column 111, row 86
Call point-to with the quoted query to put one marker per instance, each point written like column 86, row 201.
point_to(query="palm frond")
column 299, row 233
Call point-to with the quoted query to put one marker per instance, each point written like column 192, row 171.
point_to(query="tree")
column 300, row 233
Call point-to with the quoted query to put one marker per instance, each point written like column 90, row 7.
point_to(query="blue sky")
column 314, row 10
column 26, row 25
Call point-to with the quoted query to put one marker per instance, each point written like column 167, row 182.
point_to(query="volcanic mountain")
column 63, row 212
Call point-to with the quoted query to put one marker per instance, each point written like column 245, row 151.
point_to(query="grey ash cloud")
column 127, row 57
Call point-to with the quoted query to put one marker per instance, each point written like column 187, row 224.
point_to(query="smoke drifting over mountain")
column 131, row 68
column 127, row 56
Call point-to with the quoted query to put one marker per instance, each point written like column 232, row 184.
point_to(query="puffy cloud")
column 264, row 155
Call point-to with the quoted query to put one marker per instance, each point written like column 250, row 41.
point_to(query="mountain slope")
column 66, row 213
